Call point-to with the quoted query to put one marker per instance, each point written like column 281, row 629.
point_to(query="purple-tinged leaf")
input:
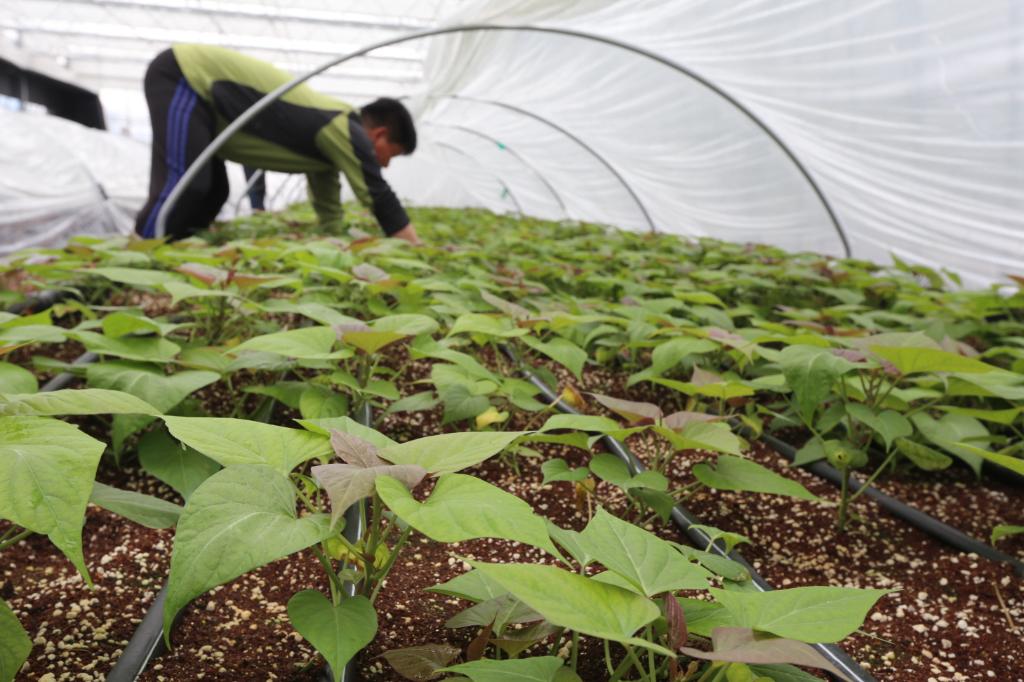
column 630, row 410
column 677, row 631
column 355, row 450
column 421, row 663
column 347, row 483
column 369, row 273
column 677, row 421
column 513, row 310
column 702, row 377
column 850, row 354
column 743, row 645
column 204, row 273
column 476, row 648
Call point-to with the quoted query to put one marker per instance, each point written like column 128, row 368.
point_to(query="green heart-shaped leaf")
column 339, row 631
column 239, row 519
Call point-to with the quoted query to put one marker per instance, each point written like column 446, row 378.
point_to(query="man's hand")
column 408, row 233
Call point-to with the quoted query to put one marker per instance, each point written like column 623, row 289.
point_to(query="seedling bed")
column 270, row 330
column 955, row 614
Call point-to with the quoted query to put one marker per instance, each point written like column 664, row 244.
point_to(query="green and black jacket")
column 302, row 132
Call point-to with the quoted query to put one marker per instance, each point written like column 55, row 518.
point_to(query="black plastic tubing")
column 915, row 517
column 685, row 522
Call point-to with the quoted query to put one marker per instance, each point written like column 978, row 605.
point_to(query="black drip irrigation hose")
column 39, row 301
column 1002, row 474
column 355, row 521
column 63, row 379
column 147, row 643
column 685, row 521
column 915, row 517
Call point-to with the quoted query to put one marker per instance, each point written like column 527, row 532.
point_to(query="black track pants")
column 183, row 124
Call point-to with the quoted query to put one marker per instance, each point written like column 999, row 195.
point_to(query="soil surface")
column 78, row 632
column 953, row 616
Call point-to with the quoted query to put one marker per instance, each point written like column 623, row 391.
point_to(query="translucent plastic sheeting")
column 909, row 114
column 58, row 178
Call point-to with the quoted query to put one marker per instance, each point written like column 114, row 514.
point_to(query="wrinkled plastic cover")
column 51, row 172
column 909, row 114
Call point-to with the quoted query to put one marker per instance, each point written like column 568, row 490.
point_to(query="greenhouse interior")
column 537, row 341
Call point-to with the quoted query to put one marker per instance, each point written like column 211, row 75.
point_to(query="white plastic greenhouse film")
column 59, row 178
column 908, row 113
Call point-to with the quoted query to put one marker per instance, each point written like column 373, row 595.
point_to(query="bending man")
column 195, row 91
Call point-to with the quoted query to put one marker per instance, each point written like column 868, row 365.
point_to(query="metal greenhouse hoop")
column 270, row 97
column 505, row 148
column 572, row 136
column 504, row 185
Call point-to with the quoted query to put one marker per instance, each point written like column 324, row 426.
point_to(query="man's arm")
column 345, row 143
column 408, row 233
column 325, row 195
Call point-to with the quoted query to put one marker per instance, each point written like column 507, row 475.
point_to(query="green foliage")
column 237, row 441
column 337, row 631
column 46, row 477
column 573, row 601
column 863, row 360
column 534, row 669
column 464, row 508
column 807, row 614
column 180, row 467
column 450, row 452
column 16, row 379
column 146, row 510
column 74, row 401
column 239, row 519
column 811, row 371
column 648, row 564
column 736, row 473
column 15, row 644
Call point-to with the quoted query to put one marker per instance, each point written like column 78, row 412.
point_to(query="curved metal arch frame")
column 248, row 186
column 504, row 185
column 505, row 148
column 572, row 136
column 286, row 184
column 266, row 100
column 833, row 653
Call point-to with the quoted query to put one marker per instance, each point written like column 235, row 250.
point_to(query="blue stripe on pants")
column 175, row 152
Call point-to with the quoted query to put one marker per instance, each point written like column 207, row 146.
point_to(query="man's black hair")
column 393, row 115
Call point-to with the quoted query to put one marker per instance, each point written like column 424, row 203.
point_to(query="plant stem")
column 874, row 475
column 608, row 658
column 881, row 399
column 9, row 542
column 336, row 587
column 313, row 509
column 379, row 578
column 575, row 649
column 652, row 667
column 632, row 658
column 844, row 499
column 623, row 668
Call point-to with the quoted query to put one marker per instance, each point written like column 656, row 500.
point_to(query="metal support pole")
column 248, row 186
column 276, row 93
column 508, row 191
column 575, row 138
column 505, row 148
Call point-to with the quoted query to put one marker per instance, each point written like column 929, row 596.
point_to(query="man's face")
column 383, row 146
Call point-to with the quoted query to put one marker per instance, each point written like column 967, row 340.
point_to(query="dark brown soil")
column 955, row 617
column 79, row 632
column 241, row 631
